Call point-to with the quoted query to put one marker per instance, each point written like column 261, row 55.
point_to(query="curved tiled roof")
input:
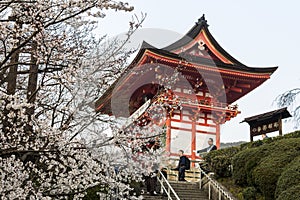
column 171, row 52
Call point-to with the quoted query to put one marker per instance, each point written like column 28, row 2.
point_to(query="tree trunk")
column 11, row 80
column 32, row 87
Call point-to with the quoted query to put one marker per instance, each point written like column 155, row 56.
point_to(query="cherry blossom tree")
column 53, row 145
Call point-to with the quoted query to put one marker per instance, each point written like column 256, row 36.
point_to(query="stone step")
column 158, row 197
column 188, row 191
column 185, row 188
column 181, row 198
column 191, row 194
column 194, row 198
column 186, row 196
column 185, row 191
column 183, row 183
column 190, row 197
column 192, row 187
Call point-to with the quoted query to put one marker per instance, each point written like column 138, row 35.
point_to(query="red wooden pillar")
column 168, row 134
column 218, row 136
column 193, row 145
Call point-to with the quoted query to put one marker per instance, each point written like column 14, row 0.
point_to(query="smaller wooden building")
column 267, row 122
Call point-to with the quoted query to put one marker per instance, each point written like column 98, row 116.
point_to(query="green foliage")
column 231, row 144
column 249, row 193
column 136, row 188
column 221, row 161
column 258, row 143
column 295, row 134
column 267, row 168
column 266, row 174
column 221, row 165
column 244, row 163
column 231, row 186
column 292, row 193
column 289, row 178
column 252, row 144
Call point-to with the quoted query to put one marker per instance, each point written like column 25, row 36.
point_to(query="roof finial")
column 202, row 19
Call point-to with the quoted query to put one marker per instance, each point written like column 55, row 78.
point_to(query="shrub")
column 221, row 161
column 249, row 193
column 266, row 174
column 268, row 166
column 268, row 171
column 289, row 178
column 251, row 144
column 136, row 188
column 295, row 134
column 293, row 193
column 221, row 165
column 258, row 143
column 243, row 164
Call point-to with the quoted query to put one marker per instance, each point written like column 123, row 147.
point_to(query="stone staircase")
column 158, row 197
column 185, row 191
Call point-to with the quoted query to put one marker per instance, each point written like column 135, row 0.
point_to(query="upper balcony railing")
column 196, row 102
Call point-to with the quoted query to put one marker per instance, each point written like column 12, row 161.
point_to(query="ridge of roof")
column 267, row 115
column 202, row 60
column 190, row 35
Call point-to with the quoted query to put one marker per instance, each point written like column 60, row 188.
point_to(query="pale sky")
column 257, row 33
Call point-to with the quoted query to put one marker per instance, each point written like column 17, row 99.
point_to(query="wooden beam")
column 243, row 85
column 236, row 89
column 190, row 122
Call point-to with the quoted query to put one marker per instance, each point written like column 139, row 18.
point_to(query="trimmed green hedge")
column 267, row 173
column 244, row 163
column 249, row 193
column 292, row 193
column 258, row 143
column 270, row 167
column 221, row 161
column 295, row 134
column 289, row 178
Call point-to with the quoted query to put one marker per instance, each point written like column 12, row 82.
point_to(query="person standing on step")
column 182, row 165
column 211, row 147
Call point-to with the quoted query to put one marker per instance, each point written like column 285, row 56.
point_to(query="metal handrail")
column 169, row 188
column 215, row 184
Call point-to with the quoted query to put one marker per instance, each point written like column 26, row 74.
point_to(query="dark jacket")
column 208, row 149
column 182, row 162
